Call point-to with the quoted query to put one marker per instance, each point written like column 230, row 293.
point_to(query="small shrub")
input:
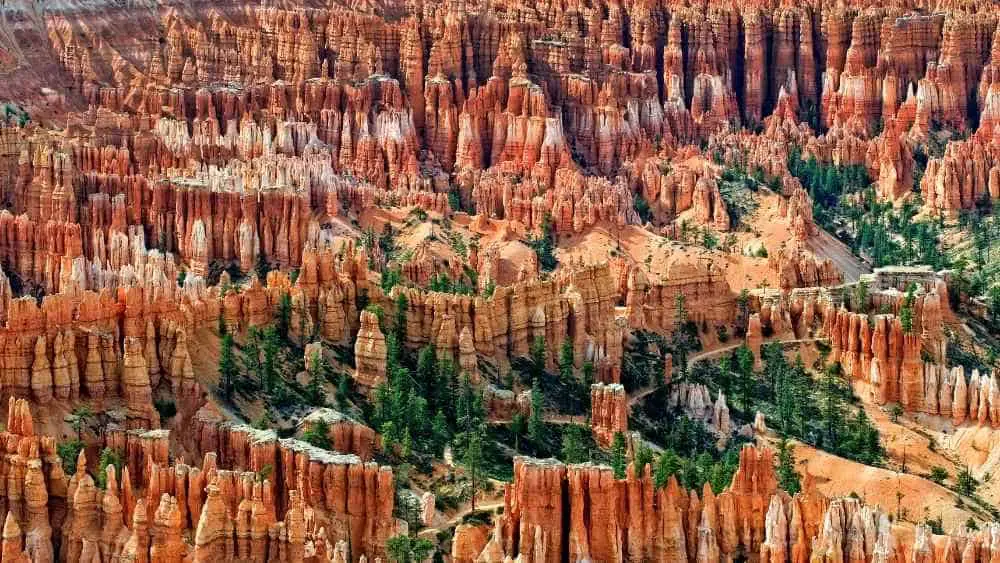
column 68, row 452
column 936, row 525
column 318, row 434
column 108, row 457
column 938, row 474
column 722, row 332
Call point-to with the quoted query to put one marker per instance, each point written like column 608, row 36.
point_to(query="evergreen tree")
column 228, row 372
column 579, row 393
column 544, row 246
column 618, row 455
column 906, row 310
column 682, row 340
column 315, row 395
column 643, row 457
column 404, row 549
column 318, row 434
column 861, row 440
column 788, row 478
column 906, row 319
column 390, row 278
column 473, row 461
column 743, row 315
column 786, row 398
column 667, row 465
column 831, row 405
column 446, row 388
column 861, row 296
column 252, row 351
column 221, row 323
column 725, row 374
column 745, row 381
column 283, row 315
column 427, row 372
column 261, row 268
column 317, row 368
column 566, row 364
column 536, row 428
column 343, row 391
column 517, row 427
column 439, row 433
column 399, row 324
column 109, row 457
column 269, row 367
column 965, row 482
column 471, row 414
column 574, row 449
column 588, row 380
column 489, row 288
column 537, row 352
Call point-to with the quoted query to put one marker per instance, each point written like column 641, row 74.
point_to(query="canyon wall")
column 554, row 512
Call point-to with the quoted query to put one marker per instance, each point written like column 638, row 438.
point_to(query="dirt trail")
column 707, row 355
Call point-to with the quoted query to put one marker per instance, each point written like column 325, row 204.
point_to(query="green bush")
column 69, row 452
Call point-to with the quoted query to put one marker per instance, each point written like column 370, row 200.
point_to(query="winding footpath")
column 644, row 392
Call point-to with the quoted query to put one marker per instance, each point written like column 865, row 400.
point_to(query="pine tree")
column 439, row 433
column 668, row 464
column 283, row 315
column 786, row 397
column 965, row 482
column 566, row 364
column 537, row 352
column 743, row 317
column 861, row 296
column 682, row 341
column 588, row 380
column 579, row 393
column 725, row 375
column 473, row 461
column 269, row 367
column 745, row 383
column 404, row 549
column 471, row 415
column 316, row 368
column 261, row 268
column 517, row 427
column 906, row 310
column 427, row 371
column 252, row 351
column 228, row 371
column 618, row 455
column 343, row 391
column 314, row 392
column 643, row 457
column 318, row 434
column 536, row 428
column 108, row 457
column 446, row 388
column 831, row 405
column 574, row 450
column 399, row 324
column 906, row 319
column 788, row 478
